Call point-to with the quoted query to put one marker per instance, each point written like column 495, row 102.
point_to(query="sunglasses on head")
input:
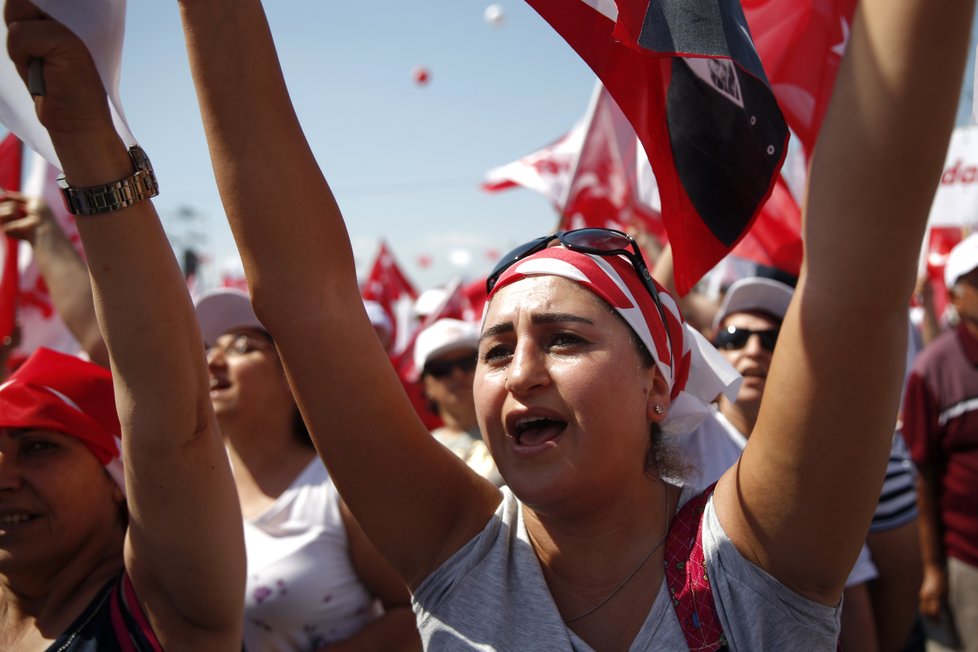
column 594, row 241
column 733, row 338
column 442, row 368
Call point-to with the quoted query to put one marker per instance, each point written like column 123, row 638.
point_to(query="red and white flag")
column 388, row 285
column 40, row 323
column 687, row 76
column 596, row 175
column 801, row 43
column 612, row 184
column 545, row 171
column 11, row 169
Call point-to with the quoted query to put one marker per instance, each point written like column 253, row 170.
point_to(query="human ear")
column 657, row 405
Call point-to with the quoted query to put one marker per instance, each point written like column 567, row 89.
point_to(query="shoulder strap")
column 689, row 586
column 132, row 629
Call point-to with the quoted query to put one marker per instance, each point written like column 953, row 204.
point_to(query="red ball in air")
column 421, row 76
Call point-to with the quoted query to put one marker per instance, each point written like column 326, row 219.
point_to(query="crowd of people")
column 244, row 470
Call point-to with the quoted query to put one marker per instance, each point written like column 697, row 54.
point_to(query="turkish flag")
column 597, row 175
column 388, row 285
column 612, row 185
column 687, row 76
column 801, row 43
column 11, row 169
column 545, row 171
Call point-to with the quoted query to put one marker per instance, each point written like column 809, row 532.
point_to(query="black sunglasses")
column 594, row 241
column 733, row 338
column 442, row 368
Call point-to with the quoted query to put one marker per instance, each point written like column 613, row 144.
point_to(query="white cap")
column 220, row 311
column 962, row 259
column 444, row 335
column 429, row 301
column 378, row 316
column 755, row 294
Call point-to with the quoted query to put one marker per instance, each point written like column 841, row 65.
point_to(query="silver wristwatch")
column 116, row 195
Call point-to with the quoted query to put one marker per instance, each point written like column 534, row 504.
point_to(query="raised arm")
column 800, row 501
column 414, row 499
column 63, row 270
column 184, row 549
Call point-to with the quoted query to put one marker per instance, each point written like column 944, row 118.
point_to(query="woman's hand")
column 23, row 217
column 74, row 98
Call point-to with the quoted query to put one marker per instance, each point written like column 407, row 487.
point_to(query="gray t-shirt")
column 491, row 595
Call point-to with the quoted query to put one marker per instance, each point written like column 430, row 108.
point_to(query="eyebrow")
column 541, row 318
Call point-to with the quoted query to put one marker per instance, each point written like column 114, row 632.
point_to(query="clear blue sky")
column 404, row 161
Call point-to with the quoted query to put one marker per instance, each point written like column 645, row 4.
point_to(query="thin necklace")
column 600, row 603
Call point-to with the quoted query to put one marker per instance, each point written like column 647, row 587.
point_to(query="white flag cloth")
column 101, row 25
column 956, row 199
column 40, row 323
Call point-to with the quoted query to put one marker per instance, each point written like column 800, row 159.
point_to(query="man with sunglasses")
column 445, row 356
column 745, row 331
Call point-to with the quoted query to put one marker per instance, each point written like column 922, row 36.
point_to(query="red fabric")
column 463, row 302
column 387, row 284
column 775, row 238
column 608, row 286
column 66, row 394
column 603, row 190
column 640, row 80
column 11, row 167
column 801, row 43
column 689, row 585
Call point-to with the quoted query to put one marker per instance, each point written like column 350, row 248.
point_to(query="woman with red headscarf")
column 107, row 544
column 583, row 361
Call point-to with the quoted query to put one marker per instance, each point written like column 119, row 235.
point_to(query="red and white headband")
column 696, row 373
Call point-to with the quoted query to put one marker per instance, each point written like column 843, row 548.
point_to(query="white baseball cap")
column 219, row 311
column 444, row 335
column 755, row 294
column 962, row 259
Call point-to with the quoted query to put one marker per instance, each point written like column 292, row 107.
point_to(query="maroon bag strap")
column 689, row 586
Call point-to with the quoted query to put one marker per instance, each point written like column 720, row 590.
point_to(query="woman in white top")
column 565, row 398
column 314, row 581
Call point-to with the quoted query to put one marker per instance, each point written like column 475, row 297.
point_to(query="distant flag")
column 546, row 171
column 595, row 175
column 388, row 285
column 11, row 169
column 40, row 323
column 801, row 43
column 611, row 184
column 687, row 76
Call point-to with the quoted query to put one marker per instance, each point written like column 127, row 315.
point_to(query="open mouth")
column 218, row 384
column 533, row 431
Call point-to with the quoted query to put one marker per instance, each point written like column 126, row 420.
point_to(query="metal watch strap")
column 116, row 195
